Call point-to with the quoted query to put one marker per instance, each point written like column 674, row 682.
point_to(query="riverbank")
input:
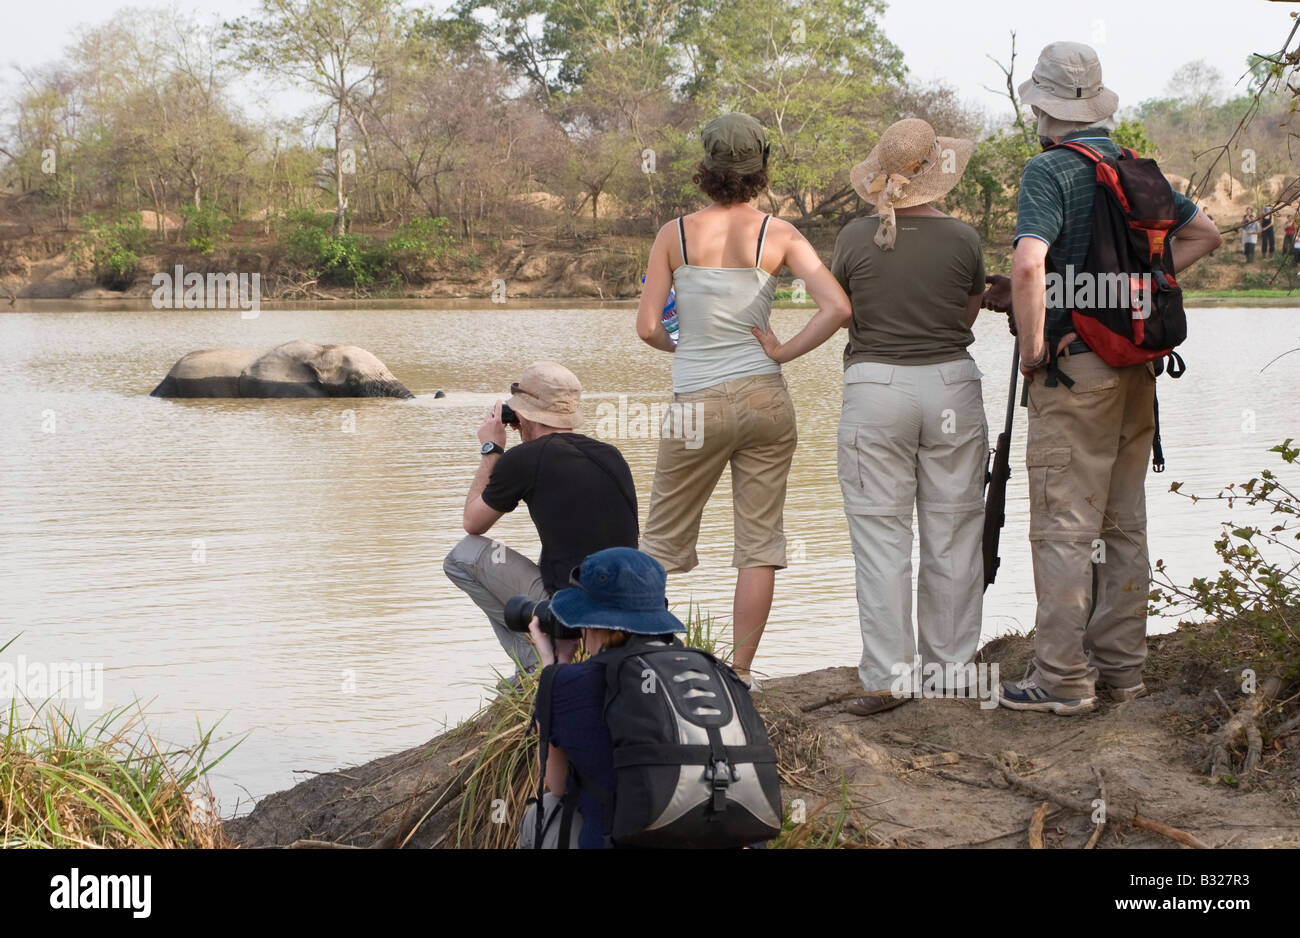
column 39, row 265
column 932, row 773
column 104, row 300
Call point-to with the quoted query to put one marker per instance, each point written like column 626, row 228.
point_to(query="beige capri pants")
column 747, row 423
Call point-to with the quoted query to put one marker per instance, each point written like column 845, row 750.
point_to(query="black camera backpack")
column 692, row 761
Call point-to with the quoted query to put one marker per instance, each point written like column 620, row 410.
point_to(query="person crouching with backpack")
column 609, row 711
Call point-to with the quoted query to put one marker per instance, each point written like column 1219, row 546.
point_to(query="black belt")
column 1077, row 347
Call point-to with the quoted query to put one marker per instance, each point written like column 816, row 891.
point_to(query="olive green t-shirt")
column 909, row 304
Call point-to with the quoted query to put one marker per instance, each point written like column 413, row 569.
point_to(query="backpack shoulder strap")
column 545, row 693
column 615, row 657
column 1087, row 152
column 630, row 498
column 681, row 236
column 762, row 240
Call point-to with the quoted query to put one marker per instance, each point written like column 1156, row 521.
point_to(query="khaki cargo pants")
column 490, row 573
column 1087, row 455
column 914, row 437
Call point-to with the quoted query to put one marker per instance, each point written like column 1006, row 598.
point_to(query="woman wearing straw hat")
column 722, row 261
column 912, row 430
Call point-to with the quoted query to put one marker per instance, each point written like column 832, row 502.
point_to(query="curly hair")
column 728, row 188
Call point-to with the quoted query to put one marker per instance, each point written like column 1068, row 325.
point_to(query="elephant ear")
column 326, row 365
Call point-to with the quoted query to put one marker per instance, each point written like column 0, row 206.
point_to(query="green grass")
column 829, row 826
column 1240, row 294
column 104, row 784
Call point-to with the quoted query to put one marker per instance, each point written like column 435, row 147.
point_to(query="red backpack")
column 1135, row 314
column 1137, row 311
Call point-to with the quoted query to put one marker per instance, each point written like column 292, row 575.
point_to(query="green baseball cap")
column 734, row 142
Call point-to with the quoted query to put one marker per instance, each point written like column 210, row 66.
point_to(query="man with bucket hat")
column 579, row 493
column 1090, row 433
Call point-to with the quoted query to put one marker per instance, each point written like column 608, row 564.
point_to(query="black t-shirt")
column 579, row 493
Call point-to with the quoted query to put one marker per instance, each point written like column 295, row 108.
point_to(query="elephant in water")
column 295, row 369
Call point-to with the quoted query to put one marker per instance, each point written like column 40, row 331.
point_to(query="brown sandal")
column 875, row 703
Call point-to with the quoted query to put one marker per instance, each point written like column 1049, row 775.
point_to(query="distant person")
column 1249, row 235
column 912, row 434
column 579, row 492
column 1288, row 236
column 722, row 261
column 1266, row 245
column 1091, row 425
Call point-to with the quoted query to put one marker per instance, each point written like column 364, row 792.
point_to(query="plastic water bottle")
column 669, row 315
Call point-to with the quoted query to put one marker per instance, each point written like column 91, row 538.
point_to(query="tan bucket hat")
column 911, row 165
column 548, row 393
column 1066, row 84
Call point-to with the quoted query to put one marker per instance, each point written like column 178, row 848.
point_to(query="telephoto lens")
column 520, row 610
column 508, row 416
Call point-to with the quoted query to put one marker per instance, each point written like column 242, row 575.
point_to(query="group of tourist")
column 908, row 282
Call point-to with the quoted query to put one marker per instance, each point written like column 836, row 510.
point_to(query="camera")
column 520, row 610
column 508, row 416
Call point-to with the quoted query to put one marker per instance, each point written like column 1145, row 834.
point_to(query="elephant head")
column 350, row 371
column 305, row 369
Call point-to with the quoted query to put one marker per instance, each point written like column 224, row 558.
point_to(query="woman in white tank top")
column 731, row 404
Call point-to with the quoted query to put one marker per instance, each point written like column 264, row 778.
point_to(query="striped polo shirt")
column 1055, row 206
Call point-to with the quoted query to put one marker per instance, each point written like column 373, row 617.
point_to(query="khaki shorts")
column 747, row 422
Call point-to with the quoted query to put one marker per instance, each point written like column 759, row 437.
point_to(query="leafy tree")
column 334, row 47
column 815, row 75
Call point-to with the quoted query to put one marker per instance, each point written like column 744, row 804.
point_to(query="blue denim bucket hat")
column 619, row 588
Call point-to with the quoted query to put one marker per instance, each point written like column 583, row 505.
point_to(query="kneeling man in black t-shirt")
column 579, row 492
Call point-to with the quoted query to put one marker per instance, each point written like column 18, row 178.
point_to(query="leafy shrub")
column 205, row 226
column 1256, row 594
column 356, row 259
column 111, row 249
column 416, row 243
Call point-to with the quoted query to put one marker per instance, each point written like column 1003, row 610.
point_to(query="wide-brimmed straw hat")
column 1066, row 84
column 548, row 393
column 911, row 165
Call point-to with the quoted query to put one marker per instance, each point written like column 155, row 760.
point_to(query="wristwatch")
column 487, row 449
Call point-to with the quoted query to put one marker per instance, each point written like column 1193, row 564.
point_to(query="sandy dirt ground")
column 936, row 773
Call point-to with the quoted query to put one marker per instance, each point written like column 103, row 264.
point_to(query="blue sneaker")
column 1027, row 695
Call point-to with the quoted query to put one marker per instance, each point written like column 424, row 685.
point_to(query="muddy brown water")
column 255, row 563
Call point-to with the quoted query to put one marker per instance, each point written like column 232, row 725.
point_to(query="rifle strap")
column 545, row 685
column 1157, row 451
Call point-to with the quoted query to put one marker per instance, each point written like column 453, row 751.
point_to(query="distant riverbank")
column 107, row 300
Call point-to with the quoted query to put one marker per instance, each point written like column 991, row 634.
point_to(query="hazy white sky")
column 945, row 40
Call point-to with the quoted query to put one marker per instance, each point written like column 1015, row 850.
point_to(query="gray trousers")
column 490, row 573
column 914, row 436
column 551, row 830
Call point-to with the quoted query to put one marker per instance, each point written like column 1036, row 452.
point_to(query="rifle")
column 996, row 476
